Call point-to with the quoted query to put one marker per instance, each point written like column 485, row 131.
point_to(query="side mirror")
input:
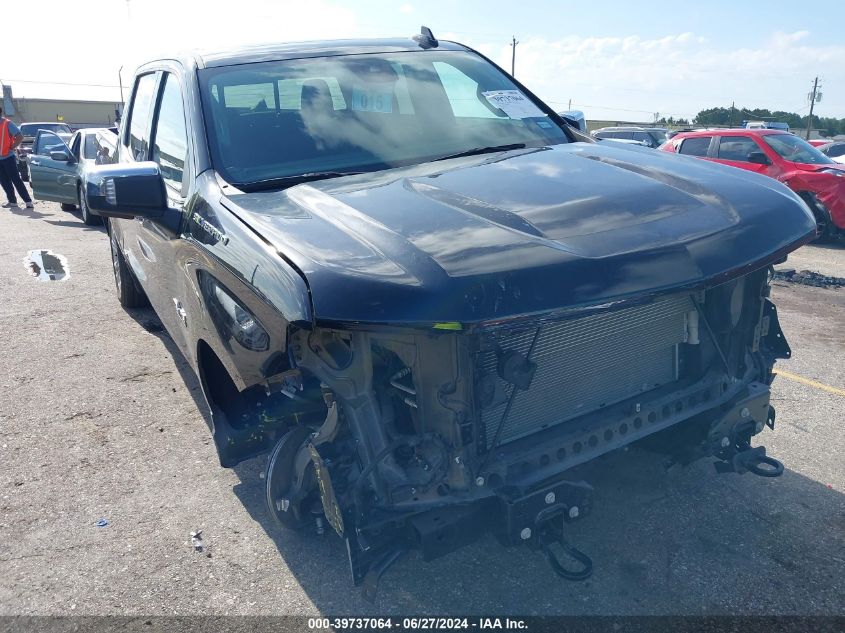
column 127, row 190
column 60, row 156
column 758, row 158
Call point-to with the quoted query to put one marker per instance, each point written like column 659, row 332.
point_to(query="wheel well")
column 219, row 388
column 820, row 212
column 812, row 201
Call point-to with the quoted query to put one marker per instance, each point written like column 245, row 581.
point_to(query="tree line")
column 734, row 116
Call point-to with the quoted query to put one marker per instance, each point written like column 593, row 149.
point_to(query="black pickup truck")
column 428, row 298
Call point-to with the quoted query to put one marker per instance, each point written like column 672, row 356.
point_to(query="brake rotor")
column 285, row 493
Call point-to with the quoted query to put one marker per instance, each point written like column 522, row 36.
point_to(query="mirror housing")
column 127, row 190
column 758, row 158
column 61, row 156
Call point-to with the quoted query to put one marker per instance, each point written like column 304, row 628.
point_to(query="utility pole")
column 513, row 57
column 570, row 105
column 814, row 96
column 731, row 120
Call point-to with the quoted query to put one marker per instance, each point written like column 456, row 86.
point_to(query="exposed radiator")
column 581, row 365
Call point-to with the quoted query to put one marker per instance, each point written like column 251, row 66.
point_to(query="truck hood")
column 524, row 232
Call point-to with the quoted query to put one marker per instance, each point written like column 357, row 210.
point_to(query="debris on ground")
column 196, row 541
column 102, row 523
column 809, row 278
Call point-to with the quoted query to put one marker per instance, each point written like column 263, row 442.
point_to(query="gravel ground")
column 101, row 421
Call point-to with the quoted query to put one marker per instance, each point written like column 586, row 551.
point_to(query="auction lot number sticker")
column 416, row 624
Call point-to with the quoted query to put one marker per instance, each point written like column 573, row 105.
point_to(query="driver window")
column 170, row 144
column 47, row 142
column 736, row 148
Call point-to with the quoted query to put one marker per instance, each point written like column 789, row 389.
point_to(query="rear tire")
column 129, row 293
column 87, row 217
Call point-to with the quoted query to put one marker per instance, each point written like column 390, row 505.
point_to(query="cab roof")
column 321, row 48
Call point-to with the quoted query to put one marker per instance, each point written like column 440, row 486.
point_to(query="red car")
column 819, row 180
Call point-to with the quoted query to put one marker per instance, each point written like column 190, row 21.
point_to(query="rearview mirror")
column 758, row 158
column 127, row 190
column 60, row 156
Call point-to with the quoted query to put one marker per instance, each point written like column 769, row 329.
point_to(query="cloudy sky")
column 614, row 60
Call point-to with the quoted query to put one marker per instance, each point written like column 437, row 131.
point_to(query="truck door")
column 159, row 245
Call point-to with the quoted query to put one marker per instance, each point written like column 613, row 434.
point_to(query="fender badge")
column 209, row 228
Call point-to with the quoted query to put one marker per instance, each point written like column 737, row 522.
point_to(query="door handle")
column 34, row 162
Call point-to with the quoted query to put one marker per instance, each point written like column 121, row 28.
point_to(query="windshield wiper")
column 484, row 150
column 296, row 179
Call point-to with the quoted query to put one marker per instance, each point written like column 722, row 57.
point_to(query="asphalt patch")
column 809, row 278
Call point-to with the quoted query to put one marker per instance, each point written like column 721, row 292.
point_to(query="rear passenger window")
column 697, row 146
column 139, row 117
column 170, row 148
column 736, row 148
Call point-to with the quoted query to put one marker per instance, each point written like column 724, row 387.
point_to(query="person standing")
column 10, row 177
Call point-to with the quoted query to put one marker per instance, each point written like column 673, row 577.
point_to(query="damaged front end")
column 433, row 437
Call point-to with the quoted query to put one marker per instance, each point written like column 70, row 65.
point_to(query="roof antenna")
column 426, row 38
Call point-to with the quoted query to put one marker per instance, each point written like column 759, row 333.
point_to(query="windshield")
column 30, row 129
column 275, row 120
column 796, row 150
column 661, row 136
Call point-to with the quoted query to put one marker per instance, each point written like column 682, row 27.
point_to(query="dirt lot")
column 101, row 421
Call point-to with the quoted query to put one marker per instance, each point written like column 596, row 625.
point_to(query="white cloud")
column 626, row 77
column 632, row 77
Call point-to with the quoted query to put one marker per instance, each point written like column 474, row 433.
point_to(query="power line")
column 586, row 105
column 59, row 83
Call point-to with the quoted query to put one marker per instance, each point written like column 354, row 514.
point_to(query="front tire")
column 820, row 212
column 129, row 293
column 87, row 217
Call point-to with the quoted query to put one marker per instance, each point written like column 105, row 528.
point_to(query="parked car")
column 28, row 131
column 58, row 169
column 818, row 142
column 765, row 125
column 626, row 141
column 834, row 150
column 395, row 269
column 817, row 178
column 650, row 136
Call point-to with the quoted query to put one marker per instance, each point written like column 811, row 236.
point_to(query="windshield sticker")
column 372, row 101
column 513, row 103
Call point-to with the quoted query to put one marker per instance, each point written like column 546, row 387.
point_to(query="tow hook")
column 739, row 457
column 752, row 460
column 548, row 530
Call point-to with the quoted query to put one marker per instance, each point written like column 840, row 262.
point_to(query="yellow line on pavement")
column 812, row 383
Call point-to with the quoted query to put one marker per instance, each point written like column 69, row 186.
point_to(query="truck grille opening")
column 582, row 365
